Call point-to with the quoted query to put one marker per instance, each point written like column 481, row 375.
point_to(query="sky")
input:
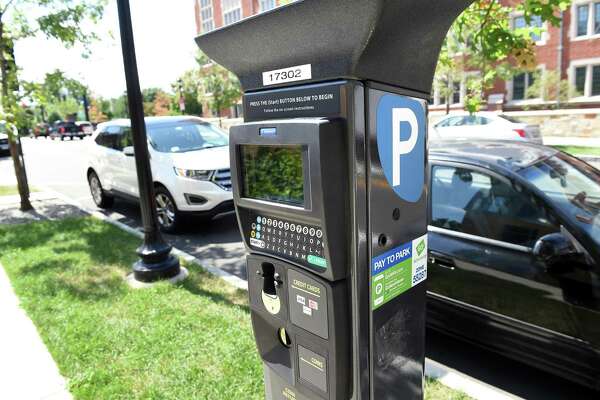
column 164, row 32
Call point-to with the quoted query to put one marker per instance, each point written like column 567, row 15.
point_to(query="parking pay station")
column 329, row 181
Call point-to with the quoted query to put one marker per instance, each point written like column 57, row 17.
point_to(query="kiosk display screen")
column 273, row 173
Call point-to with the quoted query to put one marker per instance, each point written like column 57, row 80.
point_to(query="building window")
column 535, row 22
column 232, row 11
column 596, row 18
column 586, row 78
column 587, row 19
column 456, row 92
column 580, row 76
column 521, row 83
column 266, row 5
column 582, row 20
column 596, row 80
column 206, row 15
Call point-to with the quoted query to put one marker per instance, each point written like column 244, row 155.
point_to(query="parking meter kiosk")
column 329, row 182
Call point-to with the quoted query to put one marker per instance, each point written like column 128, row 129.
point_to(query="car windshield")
column 573, row 185
column 180, row 137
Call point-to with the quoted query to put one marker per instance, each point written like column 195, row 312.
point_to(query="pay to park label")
column 398, row 270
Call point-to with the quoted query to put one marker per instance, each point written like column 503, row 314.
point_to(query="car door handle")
column 441, row 260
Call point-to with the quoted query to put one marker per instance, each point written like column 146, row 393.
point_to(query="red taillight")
column 61, row 130
column 521, row 132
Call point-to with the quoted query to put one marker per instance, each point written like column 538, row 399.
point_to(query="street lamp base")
column 135, row 284
column 148, row 273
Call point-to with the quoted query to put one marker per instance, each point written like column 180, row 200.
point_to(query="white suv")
column 190, row 167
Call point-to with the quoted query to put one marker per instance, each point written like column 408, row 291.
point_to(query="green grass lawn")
column 8, row 190
column 580, row 150
column 12, row 190
column 186, row 341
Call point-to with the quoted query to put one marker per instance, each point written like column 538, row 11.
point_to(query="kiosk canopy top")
column 387, row 41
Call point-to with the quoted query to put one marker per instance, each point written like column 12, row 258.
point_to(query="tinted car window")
column 478, row 204
column 126, row 139
column 110, row 137
column 572, row 185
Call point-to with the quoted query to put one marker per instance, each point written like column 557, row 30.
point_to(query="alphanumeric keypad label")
column 292, row 240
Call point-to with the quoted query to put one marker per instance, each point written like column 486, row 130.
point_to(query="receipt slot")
column 330, row 186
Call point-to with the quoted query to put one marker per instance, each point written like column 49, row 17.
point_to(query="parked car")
column 484, row 125
column 65, row 129
column 42, row 129
column 514, row 262
column 4, row 146
column 190, row 166
column 85, row 127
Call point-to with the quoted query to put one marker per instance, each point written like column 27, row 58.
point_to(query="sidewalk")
column 27, row 369
column 571, row 141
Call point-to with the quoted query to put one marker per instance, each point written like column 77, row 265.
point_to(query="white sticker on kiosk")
column 290, row 74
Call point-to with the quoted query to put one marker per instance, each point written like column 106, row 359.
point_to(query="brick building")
column 573, row 49
column 212, row 14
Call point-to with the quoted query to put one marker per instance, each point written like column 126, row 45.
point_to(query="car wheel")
column 62, row 138
column 99, row 196
column 166, row 211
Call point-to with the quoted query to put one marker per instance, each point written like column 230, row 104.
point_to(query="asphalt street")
column 61, row 167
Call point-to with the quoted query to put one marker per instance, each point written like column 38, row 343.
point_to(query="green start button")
column 318, row 261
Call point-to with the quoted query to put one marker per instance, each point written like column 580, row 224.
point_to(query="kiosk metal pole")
column 156, row 261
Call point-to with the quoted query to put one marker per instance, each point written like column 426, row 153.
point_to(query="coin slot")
column 284, row 338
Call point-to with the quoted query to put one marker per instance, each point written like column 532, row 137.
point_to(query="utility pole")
column 156, row 261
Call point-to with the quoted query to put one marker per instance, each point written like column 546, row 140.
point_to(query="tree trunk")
column 6, row 67
column 447, row 105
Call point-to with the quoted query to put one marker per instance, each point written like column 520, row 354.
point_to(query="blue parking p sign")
column 401, row 142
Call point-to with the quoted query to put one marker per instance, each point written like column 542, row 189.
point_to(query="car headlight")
column 200, row 175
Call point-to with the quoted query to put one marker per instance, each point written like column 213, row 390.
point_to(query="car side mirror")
column 556, row 251
column 128, row 151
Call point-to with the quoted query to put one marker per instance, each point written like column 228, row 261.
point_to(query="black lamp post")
column 156, row 261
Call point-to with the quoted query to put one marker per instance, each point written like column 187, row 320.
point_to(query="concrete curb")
column 466, row 384
column 433, row 369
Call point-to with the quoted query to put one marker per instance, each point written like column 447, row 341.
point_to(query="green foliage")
column 483, row 39
column 54, row 116
column 189, row 85
column 550, row 88
column 220, row 88
column 65, row 20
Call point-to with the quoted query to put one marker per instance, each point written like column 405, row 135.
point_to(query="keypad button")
column 319, row 233
column 312, row 232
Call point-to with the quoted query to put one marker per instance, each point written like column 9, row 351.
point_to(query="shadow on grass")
column 88, row 259
column 199, row 281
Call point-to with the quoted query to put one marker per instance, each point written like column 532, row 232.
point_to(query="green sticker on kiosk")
column 396, row 271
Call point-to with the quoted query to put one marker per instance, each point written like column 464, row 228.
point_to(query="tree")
column 161, row 104
column 551, row 88
column 63, row 20
column 220, row 88
column 188, row 85
column 489, row 44
column 96, row 114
